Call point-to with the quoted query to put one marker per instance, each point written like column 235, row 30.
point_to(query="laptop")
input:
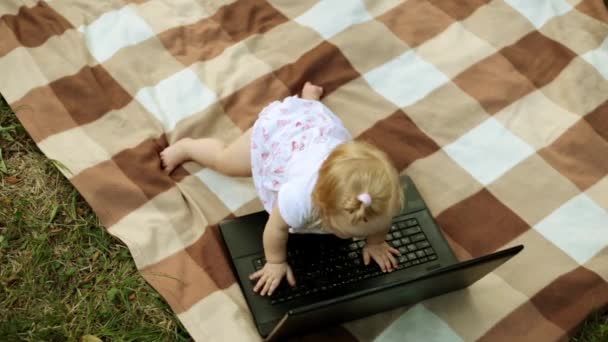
column 332, row 283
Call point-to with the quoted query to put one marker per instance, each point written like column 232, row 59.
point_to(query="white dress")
column 289, row 142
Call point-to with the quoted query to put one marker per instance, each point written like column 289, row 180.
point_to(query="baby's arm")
column 275, row 237
column 376, row 248
column 275, row 250
column 376, row 238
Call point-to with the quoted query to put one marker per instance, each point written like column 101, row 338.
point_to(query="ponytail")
column 359, row 181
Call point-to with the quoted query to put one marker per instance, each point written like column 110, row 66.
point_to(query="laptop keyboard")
column 332, row 267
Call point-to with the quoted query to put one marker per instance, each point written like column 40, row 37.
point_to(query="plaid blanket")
column 498, row 110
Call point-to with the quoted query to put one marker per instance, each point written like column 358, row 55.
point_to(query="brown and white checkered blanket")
column 498, row 110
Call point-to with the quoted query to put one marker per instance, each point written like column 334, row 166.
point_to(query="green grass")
column 594, row 329
column 63, row 277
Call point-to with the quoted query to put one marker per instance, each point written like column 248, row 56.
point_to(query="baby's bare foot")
column 311, row 91
column 172, row 156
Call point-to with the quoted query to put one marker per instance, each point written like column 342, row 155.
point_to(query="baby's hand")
column 382, row 253
column 270, row 277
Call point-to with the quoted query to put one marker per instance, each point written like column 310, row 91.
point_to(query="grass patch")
column 594, row 329
column 62, row 276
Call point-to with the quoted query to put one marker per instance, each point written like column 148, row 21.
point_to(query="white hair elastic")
column 365, row 198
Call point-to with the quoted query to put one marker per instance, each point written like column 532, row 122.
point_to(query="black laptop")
column 334, row 286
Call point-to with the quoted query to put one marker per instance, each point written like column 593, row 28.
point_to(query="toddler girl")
column 310, row 176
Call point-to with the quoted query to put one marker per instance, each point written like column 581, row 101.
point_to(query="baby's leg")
column 311, row 92
column 232, row 160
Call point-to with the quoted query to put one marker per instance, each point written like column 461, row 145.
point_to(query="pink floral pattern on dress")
column 282, row 130
column 283, row 123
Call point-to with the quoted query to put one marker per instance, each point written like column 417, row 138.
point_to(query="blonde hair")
column 352, row 169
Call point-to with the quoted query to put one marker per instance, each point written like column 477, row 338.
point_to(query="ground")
column 62, row 276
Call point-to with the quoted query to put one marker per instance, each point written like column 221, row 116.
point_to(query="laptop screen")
column 371, row 301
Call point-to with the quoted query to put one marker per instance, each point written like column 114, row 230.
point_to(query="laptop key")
column 361, row 243
column 396, row 243
column 397, row 235
column 429, row 251
column 353, row 255
column 422, row 244
column 411, row 256
column 412, row 222
column 353, row 246
column 402, row 249
column 420, row 254
column 402, row 259
column 432, row 257
column 389, row 236
column 412, row 230
column 405, row 240
column 418, row 237
column 411, row 247
column 423, row 260
column 312, row 274
column 415, row 262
